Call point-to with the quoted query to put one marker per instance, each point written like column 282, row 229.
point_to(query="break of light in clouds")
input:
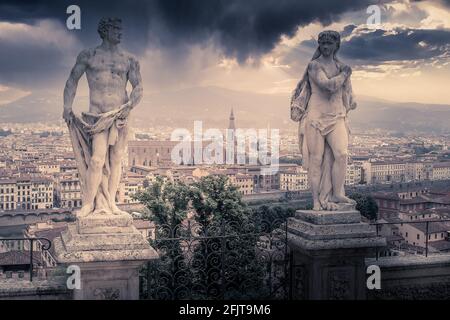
column 257, row 46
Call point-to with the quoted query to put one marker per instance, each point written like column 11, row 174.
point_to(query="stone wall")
column 412, row 277
column 14, row 218
column 23, row 289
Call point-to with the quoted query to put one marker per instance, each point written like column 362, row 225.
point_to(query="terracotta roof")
column 394, row 237
column 442, row 165
column 441, row 245
column 439, row 210
column 393, row 219
column 19, row 257
column 385, row 195
column 433, row 227
column 12, row 231
column 416, row 200
column 7, row 181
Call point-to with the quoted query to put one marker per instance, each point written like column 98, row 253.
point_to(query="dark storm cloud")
column 133, row 12
column 22, row 66
column 348, row 29
column 374, row 47
column 405, row 44
column 377, row 46
column 241, row 28
column 29, row 62
column 238, row 28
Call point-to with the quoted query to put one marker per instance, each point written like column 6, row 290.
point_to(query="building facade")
column 441, row 171
column 385, row 172
column 8, row 194
column 294, row 180
column 68, row 191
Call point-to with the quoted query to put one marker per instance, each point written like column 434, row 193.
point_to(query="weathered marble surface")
column 329, row 249
column 103, row 238
column 329, row 217
column 318, row 230
column 320, row 104
column 103, row 241
column 99, row 137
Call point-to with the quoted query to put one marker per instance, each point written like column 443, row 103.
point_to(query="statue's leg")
column 338, row 141
column 316, row 145
column 94, row 172
column 116, row 155
column 326, row 187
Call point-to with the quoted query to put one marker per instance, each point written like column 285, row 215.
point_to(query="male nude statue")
column 320, row 103
column 99, row 137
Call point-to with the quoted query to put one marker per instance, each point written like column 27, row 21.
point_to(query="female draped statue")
column 320, row 104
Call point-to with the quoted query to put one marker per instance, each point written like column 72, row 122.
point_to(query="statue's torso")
column 107, row 75
column 325, row 107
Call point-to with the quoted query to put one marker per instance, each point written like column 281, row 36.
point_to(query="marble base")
column 109, row 251
column 112, row 280
column 329, row 249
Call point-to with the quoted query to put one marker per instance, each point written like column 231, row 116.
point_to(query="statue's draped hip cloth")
column 324, row 123
column 82, row 130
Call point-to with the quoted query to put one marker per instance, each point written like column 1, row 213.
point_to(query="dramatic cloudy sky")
column 247, row 45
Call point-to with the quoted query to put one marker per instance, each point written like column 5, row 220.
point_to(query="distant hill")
column 212, row 105
column 35, row 107
column 401, row 117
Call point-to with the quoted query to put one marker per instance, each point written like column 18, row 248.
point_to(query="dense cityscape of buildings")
column 402, row 214
column 38, row 169
column 40, row 186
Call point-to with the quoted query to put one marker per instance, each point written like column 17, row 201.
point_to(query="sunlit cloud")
column 10, row 94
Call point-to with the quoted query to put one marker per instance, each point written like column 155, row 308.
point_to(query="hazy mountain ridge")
column 212, row 105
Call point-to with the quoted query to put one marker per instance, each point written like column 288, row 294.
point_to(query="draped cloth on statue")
column 82, row 130
column 303, row 112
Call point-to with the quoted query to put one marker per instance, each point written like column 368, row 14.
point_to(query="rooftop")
column 433, row 227
column 12, row 231
column 442, row 165
column 441, row 245
column 11, row 258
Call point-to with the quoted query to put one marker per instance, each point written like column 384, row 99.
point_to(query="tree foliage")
column 366, row 205
column 221, row 256
column 168, row 204
column 215, row 200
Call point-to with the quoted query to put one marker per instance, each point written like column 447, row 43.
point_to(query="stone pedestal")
column 329, row 248
column 109, row 251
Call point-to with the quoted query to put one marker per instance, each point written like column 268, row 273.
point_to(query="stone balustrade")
column 412, row 277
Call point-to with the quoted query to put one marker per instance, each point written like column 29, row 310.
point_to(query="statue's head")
column 329, row 42
column 110, row 29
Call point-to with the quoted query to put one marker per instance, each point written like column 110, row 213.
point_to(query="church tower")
column 231, row 124
column 231, row 140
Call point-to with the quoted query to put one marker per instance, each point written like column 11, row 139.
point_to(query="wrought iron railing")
column 218, row 261
column 427, row 229
column 46, row 244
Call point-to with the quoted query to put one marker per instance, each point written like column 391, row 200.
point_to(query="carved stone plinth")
column 329, row 249
column 109, row 251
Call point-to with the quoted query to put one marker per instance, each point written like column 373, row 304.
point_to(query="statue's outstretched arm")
column 317, row 75
column 72, row 82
